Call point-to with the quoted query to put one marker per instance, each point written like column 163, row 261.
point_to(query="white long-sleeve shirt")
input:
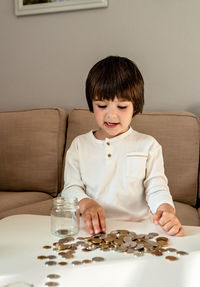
column 124, row 174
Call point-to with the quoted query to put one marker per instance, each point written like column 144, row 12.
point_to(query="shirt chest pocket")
column 136, row 165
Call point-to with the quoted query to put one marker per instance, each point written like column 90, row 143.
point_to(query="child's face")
column 113, row 117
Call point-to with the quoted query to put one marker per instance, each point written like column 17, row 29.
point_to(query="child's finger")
column 181, row 232
column 102, row 220
column 88, row 222
column 174, row 230
column 157, row 216
column 96, row 223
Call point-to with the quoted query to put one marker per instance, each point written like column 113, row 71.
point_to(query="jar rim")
column 60, row 201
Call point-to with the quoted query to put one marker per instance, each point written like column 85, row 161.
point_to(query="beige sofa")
column 33, row 145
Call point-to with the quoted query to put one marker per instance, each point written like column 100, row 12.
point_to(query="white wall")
column 44, row 59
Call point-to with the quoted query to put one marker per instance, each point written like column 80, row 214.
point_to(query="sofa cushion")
column 178, row 133
column 11, row 200
column 187, row 214
column 41, row 208
column 31, row 150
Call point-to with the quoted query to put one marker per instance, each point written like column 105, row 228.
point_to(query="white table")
column 22, row 238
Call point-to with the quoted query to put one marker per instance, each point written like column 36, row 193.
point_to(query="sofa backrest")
column 32, row 144
column 177, row 132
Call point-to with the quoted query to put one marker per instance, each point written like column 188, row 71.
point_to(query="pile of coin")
column 123, row 241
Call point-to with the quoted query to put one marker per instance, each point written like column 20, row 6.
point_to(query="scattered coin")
column 171, row 258
column 51, row 283
column 50, row 263
column 152, row 235
column 76, row 262
column 122, row 241
column 98, row 259
column 157, row 252
column 41, row 257
column 51, row 257
column 86, row 261
column 182, row 253
column 53, row 276
column 62, row 263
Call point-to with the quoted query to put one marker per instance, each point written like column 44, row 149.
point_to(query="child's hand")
column 165, row 217
column 93, row 216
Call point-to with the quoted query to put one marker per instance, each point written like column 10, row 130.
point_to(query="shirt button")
column 108, row 143
column 109, row 155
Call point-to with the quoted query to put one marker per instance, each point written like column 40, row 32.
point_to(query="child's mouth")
column 110, row 125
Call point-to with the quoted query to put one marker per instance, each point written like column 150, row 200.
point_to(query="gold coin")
column 157, row 253
column 86, row 261
column 46, row 246
column 96, row 240
column 53, row 276
column 62, row 263
column 51, row 283
column 171, row 258
column 41, row 257
column 162, row 238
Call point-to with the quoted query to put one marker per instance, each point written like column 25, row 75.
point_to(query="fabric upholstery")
column 31, row 150
column 187, row 214
column 41, row 207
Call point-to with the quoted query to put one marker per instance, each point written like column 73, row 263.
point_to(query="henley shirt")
column 124, row 174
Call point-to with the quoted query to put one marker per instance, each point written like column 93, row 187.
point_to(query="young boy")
column 115, row 170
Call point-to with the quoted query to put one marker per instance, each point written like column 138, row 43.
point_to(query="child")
column 114, row 171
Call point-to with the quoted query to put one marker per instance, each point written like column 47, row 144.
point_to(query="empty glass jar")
column 65, row 217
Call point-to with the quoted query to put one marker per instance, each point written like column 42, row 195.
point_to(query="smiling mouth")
column 111, row 125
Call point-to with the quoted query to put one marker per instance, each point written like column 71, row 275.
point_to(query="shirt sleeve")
column 73, row 184
column 156, row 183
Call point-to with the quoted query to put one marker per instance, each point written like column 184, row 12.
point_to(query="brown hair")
column 113, row 77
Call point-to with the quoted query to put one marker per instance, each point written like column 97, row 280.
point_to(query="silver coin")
column 50, row 263
column 98, row 259
column 76, row 262
column 51, row 257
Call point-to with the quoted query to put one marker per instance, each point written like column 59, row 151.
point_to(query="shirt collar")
column 114, row 139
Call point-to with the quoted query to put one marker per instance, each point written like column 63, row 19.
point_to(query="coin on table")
column 182, row 253
column 51, row 257
column 51, row 283
column 157, row 253
column 46, row 246
column 171, row 258
column 86, row 261
column 66, row 239
column 98, row 259
column 50, row 263
column 76, row 262
column 41, row 257
column 61, row 247
column 162, row 238
column 53, row 276
column 152, row 235
column 62, row 263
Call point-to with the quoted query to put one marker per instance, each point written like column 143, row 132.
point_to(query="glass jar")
column 65, row 217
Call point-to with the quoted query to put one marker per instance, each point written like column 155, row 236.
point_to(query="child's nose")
column 112, row 113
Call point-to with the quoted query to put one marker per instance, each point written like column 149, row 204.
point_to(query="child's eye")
column 122, row 107
column 102, row 106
